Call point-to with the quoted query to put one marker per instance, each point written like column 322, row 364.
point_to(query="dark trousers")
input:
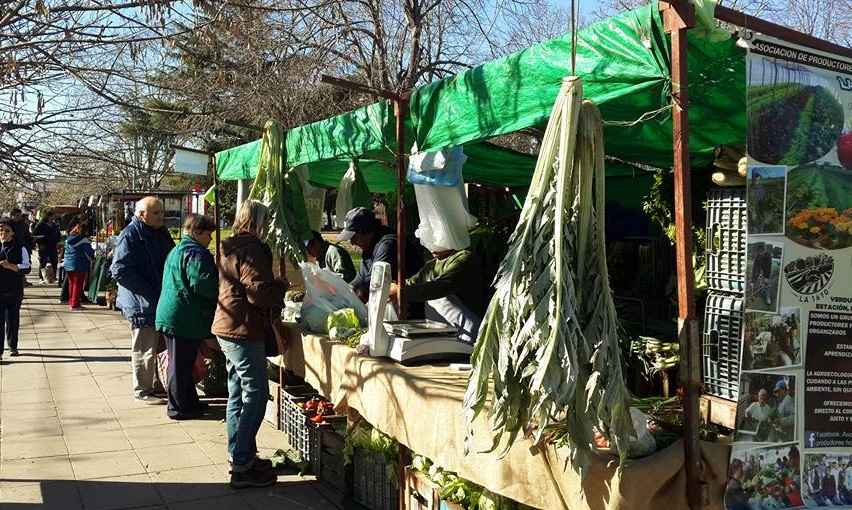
column 10, row 322
column 45, row 256
column 183, row 399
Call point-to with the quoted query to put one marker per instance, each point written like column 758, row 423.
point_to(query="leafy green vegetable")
column 549, row 342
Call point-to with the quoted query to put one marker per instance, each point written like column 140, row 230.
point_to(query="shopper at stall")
column 24, row 238
column 14, row 258
column 185, row 312
column 47, row 237
column 378, row 244
column 330, row 256
column 450, row 284
column 247, row 290
column 78, row 257
column 137, row 267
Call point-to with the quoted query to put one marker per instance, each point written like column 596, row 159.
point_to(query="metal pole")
column 400, row 109
column 678, row 17
column 216, row 208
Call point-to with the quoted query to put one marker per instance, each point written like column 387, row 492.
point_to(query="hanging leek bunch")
column 548, row 341
column 282, row 192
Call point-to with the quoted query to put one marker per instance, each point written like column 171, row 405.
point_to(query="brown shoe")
column 254, row 476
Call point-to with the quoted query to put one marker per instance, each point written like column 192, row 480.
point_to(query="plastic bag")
column 342, row 323
column 325, row 293
column 314, row 197
column 444, row 217
column 440, row 168
column 351, row 193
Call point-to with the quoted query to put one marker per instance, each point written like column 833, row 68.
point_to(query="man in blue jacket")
column 137, row 266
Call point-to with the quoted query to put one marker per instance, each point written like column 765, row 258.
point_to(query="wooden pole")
column 678, row 17
column 216, row 209
column 400, row 109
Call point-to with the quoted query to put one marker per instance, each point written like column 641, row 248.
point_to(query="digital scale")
column 407, row 342
column 423, row 340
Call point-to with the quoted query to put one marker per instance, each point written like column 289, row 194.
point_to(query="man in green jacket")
column 451, row 286
column 330, row 256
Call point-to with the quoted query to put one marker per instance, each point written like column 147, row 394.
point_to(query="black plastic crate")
column 373, row 488
column 328, row 462
column 726, row 240
column 295, row 420
column 723, row 322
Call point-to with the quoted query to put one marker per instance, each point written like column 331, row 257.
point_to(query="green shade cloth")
column 625, row 67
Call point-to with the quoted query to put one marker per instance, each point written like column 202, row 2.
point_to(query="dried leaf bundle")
column 548, row 341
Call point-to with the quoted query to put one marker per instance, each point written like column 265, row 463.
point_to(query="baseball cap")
column 780, row 385
column 357, row 220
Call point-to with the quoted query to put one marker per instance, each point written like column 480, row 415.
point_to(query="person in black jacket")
column 47, row 236
column 23, row 236
column 13, row 259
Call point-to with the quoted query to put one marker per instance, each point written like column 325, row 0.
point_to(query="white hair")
column 144, row 203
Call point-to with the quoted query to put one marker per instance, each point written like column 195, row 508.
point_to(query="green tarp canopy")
column 624, row 65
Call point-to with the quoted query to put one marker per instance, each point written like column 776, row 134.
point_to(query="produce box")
column 328, row 463
column 272, row 415
column 373, row 487
column 420, row 492
column 723, row 319
column 295, row 420
column 726, row 240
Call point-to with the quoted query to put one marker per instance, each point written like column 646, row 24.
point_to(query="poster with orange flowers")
column 793, row 444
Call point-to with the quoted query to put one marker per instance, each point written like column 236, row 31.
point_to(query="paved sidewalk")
column 72, row 437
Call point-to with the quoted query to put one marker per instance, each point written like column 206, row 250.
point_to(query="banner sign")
column 793, row 441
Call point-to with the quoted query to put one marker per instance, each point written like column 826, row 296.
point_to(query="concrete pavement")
column 72, row 437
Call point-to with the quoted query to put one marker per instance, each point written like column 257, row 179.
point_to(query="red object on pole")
column 678, row 17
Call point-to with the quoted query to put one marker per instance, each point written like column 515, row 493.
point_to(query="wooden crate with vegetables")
column 328, row 463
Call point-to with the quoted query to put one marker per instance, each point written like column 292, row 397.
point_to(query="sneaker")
column 14, row 352
column 151, row 400
column 254, row 476
column 77, row 308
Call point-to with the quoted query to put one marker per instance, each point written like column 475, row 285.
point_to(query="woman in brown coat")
column 247, row 290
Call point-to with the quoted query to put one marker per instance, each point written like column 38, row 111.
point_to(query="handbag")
column 199, row 367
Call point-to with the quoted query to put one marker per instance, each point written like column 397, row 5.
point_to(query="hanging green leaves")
column 547, row 350
column 282, row 192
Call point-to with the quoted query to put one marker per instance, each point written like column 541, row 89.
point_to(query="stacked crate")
column 726, row 281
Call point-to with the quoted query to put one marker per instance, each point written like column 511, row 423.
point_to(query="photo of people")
column 827, row 480
column 765, row 196
column 763, row 270
column 764, row 478
column 770, row 408
column 772, row 340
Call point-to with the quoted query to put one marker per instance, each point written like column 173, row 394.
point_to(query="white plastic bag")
column 439, row 168
column 326, row 292
column 314, row 198
column 351, row 193
column 444, row 218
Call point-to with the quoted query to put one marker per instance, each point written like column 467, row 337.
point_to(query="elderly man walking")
column 137, row 266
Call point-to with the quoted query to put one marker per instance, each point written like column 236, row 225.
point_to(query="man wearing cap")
column 786, row 412
column 378, row 244
column 330, row 256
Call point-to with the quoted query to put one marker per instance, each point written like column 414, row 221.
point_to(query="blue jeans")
column 248, row 393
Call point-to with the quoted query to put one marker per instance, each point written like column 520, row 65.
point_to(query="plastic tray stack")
column 726, row 276
column 372, row 487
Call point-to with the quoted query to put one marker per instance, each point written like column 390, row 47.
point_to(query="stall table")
column 420, row 406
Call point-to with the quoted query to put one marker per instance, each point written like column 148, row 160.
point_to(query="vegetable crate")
column 726, row 240
column 295, row 422
column 420, row 492
column 327, row 460
column 723, row 320
column 373, row 484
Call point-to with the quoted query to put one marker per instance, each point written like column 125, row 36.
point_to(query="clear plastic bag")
column 325, row 293
column 444, row 218
column 440, row 168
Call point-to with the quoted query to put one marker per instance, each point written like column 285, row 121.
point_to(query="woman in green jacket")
column 185, row 312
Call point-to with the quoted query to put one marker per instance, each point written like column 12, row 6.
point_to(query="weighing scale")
column 419, row 341
column 407, row 342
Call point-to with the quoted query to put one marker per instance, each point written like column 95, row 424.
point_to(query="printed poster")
column 793, row 438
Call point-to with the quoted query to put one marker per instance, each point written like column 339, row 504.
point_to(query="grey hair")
column 145, row 202
column 252, row 217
